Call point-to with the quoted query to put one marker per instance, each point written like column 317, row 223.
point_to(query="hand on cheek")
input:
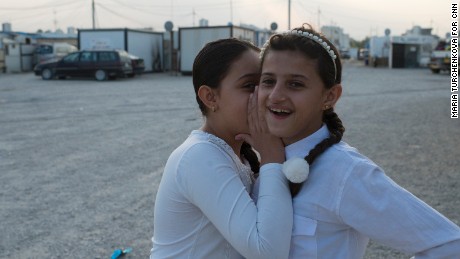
column 270, row 148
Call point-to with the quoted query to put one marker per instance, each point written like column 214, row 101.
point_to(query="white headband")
column 315, row 39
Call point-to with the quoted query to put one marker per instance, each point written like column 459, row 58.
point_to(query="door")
column 87, row 63
column 68, row 66
column 411, row 59
column 398, row 55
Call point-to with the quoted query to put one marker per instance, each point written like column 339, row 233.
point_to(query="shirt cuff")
column 271, row 167
column 272, row 170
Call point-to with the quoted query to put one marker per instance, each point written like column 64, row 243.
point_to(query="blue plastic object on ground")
column 120, row 252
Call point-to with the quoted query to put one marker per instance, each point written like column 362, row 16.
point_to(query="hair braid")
column 336, row 130
column 251, row 156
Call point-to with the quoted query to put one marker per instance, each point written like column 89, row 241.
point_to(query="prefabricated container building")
column 192, row 40
column 144, row 44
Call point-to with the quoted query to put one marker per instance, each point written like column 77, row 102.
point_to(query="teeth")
column 279, row 110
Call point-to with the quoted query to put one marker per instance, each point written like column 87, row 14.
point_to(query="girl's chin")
column 278, row 132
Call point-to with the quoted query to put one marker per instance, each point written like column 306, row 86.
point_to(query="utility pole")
column 172, row 10
column 319, row 14
column 94, row 15
column 289, row 14
column 231, row 12
column 193, row 14
column 55, row 20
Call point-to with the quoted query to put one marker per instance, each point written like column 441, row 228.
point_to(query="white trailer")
column 192, row 40
column 18, row 57
column 144, row 44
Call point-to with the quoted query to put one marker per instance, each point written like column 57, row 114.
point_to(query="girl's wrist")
column 272, row 158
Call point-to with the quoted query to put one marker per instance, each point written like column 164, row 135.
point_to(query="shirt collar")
column 302, row 147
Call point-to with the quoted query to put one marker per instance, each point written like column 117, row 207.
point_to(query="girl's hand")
column 270, row 148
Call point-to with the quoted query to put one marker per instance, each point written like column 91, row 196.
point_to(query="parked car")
column 440, row 58
column 49, row 51
column 363, row 54
column 345, row 54
column 100, row 64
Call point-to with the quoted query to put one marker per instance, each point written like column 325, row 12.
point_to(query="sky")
column 358, row 18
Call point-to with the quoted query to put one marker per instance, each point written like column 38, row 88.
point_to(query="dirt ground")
column 80, row 160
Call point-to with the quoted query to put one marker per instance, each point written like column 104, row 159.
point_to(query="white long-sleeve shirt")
column 203, row 208
column 348, row 199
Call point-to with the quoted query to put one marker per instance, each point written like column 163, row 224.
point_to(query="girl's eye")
column 250, row 86
column 296, row 84
column 268, row 82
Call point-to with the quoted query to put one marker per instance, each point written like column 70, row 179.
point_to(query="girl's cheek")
column 262, row 92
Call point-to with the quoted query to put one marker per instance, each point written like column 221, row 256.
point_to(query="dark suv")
column 100, row 64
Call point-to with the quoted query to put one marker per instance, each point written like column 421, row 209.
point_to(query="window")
column 107, row 56
column 71, row 57
column 44, row 49
column 65, row 49
column 88, row 57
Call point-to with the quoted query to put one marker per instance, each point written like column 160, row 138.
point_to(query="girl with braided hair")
column 346, row 198
column 203, row 207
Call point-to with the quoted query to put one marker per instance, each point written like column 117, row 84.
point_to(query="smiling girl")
column 347, row 198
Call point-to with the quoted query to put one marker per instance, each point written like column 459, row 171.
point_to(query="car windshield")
column 44, row 49
column 71, row 57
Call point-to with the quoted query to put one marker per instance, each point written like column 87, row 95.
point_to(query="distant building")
column 203, row 23
column 71, row 31
column 147, row 45
column 58, row 37
column 336, row 35
column 379, row 50
column 261, row 35
column 17, row 49
column 412, row 49
column 192, row 39
column 6, row 27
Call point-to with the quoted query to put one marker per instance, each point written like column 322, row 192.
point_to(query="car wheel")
column 435, row 71
column 100, row 75
column 47, row 74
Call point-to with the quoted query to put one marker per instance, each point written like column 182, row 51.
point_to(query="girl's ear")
column 332, row 96
column 208, row 97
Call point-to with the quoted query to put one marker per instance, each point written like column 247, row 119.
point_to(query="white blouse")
column 203, row 208
column 348, row 199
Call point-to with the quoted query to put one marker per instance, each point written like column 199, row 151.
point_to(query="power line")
column 28, row 18
column 52, row 4
column 144, row 10
column 120, row 15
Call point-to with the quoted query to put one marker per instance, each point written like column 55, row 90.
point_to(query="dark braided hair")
column 329, row 74
column 250, row 155
column 211, row 66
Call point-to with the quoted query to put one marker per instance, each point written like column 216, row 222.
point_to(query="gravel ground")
column 81, row 160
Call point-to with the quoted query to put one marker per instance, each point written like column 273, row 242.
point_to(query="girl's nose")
column 277, row 93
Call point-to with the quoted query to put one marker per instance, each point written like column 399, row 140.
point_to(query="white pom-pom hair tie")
column 296, row 169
